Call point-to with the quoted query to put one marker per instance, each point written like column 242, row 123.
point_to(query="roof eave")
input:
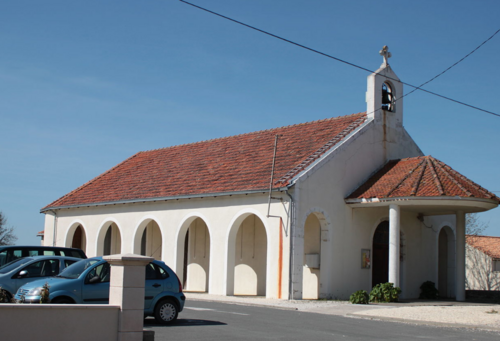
column 460, row 203
column 147, row 200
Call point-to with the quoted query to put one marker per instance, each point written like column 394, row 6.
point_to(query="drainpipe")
column 55, row 228
column 292, row 224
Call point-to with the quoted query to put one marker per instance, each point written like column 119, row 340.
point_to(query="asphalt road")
column 220, row 321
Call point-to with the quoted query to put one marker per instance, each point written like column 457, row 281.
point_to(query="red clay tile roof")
column 486, row 244
column 422, row 176
column 230, row 164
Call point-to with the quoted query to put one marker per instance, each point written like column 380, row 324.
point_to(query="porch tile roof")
column 422, row 176
column 229, row 164
column 486, row 244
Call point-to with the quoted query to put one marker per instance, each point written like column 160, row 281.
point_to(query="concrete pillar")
column 460, row 257
column 128, row 273
column 394, row 233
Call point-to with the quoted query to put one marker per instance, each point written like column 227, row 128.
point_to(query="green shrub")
column 44, row 293
column 428, row 291
column 359, row 297
column 385, row 292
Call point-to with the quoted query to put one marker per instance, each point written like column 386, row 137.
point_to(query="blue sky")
column 85, row 85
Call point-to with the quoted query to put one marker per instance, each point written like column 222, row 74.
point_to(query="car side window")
column 32, row 253
column 68, row 262
column 163, row 273
column 150, row 271
column 3, row 257
column 102, row 271
column 155, row 272
column 49, row 267
column 14, row 254
column 48, row 253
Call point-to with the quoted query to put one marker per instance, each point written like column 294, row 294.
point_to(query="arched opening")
column 77, row 238
column 196, row 257
column 446, row 262
column 312, row 258
column 380, row 257
column 247, row 263
column 109, row 241
column 148, row 239
column 388, row 98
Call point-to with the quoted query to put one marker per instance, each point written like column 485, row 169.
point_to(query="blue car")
column 87, row 282
column 28, row 269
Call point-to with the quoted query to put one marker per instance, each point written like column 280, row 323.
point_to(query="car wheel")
column 166, row 312
column 61, row 300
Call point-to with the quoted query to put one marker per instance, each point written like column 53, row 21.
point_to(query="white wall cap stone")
column 128, row 259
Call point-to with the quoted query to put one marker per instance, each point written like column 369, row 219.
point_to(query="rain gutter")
column 146, row 200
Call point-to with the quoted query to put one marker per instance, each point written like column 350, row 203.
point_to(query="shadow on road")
column 184, row 323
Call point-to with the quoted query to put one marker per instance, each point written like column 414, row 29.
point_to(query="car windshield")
column 75, row 270
column 13, row 264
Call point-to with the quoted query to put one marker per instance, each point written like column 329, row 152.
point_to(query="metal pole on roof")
column 272, row 175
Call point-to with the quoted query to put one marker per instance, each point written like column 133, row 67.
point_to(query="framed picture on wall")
column 365, row 259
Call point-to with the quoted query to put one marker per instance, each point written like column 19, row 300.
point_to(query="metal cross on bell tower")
column 386, row 54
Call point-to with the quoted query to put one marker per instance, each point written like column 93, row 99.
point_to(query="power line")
column 344, row 61
column 456, row 63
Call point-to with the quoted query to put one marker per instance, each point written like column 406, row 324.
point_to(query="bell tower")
column 384, row 101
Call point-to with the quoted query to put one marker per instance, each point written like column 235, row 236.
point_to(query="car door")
column 95, row 288
column 36, row 270
column 155, row 278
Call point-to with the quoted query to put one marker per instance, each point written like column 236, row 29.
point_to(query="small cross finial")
column 386, row 54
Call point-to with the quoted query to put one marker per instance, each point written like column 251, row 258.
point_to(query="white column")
column 460, row 257
column 394, row 232
column 126, row 290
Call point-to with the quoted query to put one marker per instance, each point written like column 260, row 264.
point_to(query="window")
column 16, row 254
column 3, row 257
column 68, row 262
column 43, row 268
column 496, row 264
column 101, row 271
column 49, row 253
column 155, row 272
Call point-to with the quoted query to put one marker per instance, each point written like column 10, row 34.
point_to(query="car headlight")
column 34, row 292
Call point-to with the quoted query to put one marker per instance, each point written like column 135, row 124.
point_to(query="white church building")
column 313, row 210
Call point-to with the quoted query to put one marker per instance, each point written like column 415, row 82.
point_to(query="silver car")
column 23, row 270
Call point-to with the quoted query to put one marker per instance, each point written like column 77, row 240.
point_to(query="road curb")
column 244, row 303
column 421, row 322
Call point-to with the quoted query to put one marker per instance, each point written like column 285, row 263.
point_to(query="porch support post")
column 460, row 257
column 394, row 232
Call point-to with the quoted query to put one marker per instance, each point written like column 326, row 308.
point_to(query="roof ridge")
column 314, row 156
column 254, row 132
column 435, row 177
column 416, row 185
column 465, row 190
column 470, row 182
column 91, row 181
column 402, row 180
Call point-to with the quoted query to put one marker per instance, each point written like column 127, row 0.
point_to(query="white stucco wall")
column 221, row 215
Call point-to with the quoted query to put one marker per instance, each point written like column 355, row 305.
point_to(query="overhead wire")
column 355, row 65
